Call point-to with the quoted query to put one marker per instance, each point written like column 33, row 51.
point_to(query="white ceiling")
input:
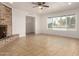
column 54, row 7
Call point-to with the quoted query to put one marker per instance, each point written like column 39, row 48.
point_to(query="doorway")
column 30, row 25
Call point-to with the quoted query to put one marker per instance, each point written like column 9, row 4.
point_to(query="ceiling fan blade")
column 38, row 3
column 45, row 6
column 41, row 3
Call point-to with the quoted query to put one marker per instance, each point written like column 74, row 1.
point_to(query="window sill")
column 57, row 29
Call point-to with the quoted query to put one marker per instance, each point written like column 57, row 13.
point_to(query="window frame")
column 75, row 29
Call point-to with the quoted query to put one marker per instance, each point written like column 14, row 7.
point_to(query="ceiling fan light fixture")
column 69, row 3
column 40, row 7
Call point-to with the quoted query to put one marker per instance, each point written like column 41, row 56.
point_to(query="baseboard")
column 57, row 35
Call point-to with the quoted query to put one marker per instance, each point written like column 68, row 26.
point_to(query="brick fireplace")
column 5, row 21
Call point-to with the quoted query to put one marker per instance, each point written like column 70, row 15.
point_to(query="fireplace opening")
column 3, row 31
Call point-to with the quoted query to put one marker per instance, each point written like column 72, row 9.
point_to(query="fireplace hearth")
column 3, row 31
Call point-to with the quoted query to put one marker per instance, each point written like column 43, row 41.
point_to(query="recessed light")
column 69, row 3
column 11, row 2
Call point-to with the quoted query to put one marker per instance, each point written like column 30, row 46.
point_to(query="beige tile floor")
column 41, row 45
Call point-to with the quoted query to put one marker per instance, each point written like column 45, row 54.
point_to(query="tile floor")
column 41, row 45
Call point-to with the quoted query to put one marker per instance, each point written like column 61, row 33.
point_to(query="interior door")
column 30, row 24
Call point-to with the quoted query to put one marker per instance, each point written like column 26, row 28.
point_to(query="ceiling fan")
column 40, row 5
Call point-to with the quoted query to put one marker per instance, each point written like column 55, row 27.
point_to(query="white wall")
column 43, row 24
column 19, row 22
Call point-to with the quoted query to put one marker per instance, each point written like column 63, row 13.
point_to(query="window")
column 62, row 23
